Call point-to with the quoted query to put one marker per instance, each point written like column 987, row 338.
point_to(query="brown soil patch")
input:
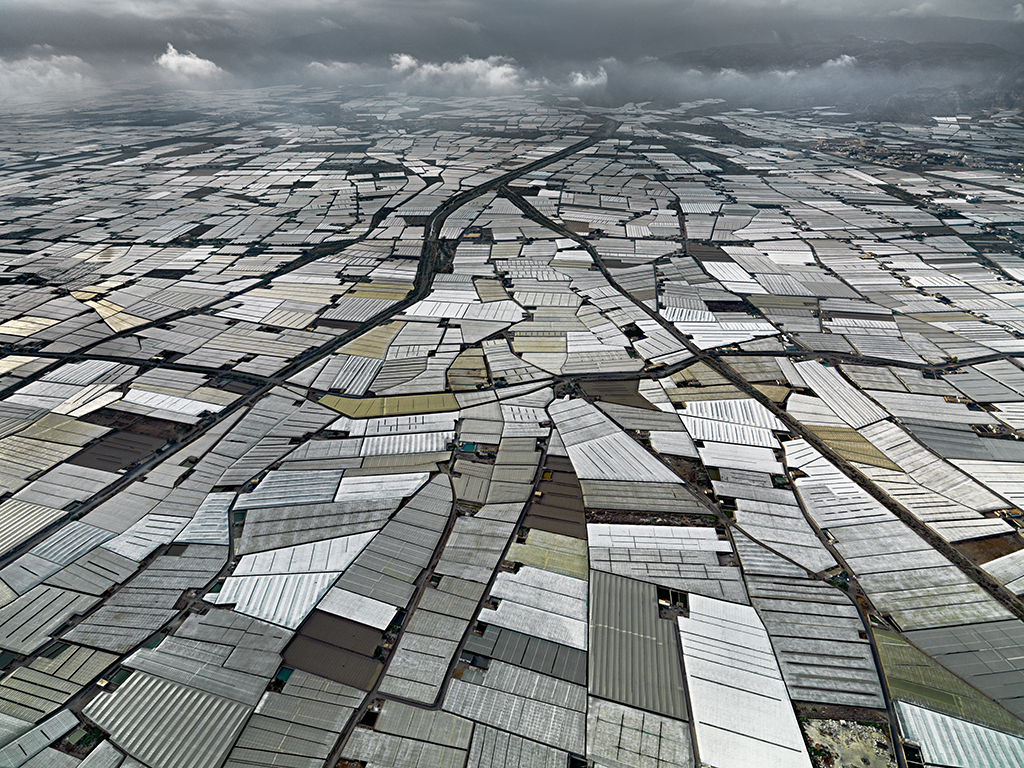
column 984, row 550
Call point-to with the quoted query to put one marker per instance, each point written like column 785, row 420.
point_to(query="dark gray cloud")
column 466, row 46
column 239, row 31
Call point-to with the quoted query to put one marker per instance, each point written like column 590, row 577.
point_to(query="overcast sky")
column 483, row 44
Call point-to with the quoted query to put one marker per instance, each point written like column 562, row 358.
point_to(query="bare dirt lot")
column 848, row 744
column 983, row 550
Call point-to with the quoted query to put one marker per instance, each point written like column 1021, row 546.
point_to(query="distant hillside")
column 1003, row 92
column 890, row 55
column 891, row 80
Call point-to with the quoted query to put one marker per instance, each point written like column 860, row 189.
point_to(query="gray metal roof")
column 696, row 572
column 984, row 389
column 148, row 602
column 974, row 650
column 34, row 691
column 382, row 749
column 104, row 756
column 26, row 572
column 492, row 748
column 520, row 701
column 139, row 541
column 474, row 548
column 599, row 450
column 533, row 653
column 389, row 565
column 956, row 441
column 784, row 528
column 634, row 654
column 842, row 397
column 420, row 663
column 274, row 527
column 119, row 628
column 283, row 488
column 661, row 497
column 12, row 727
column 171, row 663
column 19, row 520
column 71, row 542
column 30, row 744
column 620, row 735
column 64, row 484
column 95, row 572
column 253, row 646
column 415, row 723
column 816, row 632
column 320, row 556
column 290, row 726
column 168, row 724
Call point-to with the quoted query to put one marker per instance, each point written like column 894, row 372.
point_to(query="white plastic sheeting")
column 282, row 488
column 951, row 742
column 842, row 397
column 280, row 599
column 655, row 537
column 146, row 535
column 380, row 486
column 170, row 403
column 741, row 710
column 283, row 585
column 543, row 604
column 210, row 523
column 318, row 556
column 599, row 450
column 365, row 610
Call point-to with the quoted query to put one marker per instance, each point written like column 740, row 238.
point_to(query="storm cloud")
column 462, row 46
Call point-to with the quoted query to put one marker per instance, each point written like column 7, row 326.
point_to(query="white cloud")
column 344, row 72
column 597, row 79
column 334, row 68
column 187, row 65
column 842, row 61
column 1018, row 13
column 37, row 77
column 921, row 9
column 403, row 62
column 495, row 74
